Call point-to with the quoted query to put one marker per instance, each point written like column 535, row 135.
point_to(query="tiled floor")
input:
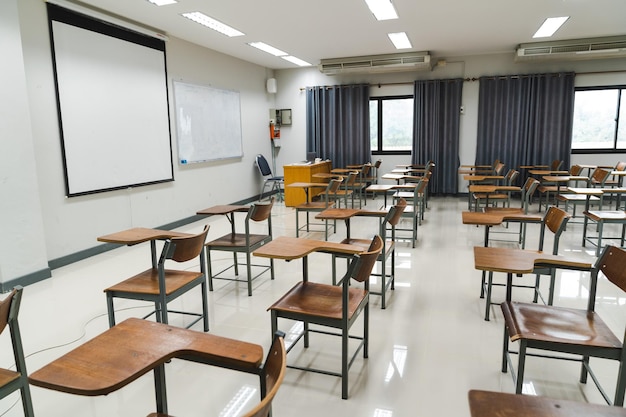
column 428, row 348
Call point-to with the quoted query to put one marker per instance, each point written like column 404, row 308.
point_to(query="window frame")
column 381, row 150
column 621, row 89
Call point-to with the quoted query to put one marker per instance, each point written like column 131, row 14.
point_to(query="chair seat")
column 236, row 240
column 550, row 188
column 557, row 325
column 365, row 244
column 315, row 205
column 7, row 376
column 504, row 210
column 479, row 196
column 577, row 198
column 147, row 282
column 319, row 300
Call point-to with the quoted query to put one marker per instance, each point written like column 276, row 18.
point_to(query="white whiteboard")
column 208, row 123
column 112, row 96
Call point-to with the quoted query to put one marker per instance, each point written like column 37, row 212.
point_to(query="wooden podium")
column 302, row 173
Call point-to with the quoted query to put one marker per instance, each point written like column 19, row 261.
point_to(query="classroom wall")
column 290, row 95
column 22, row 249
column 68, row 227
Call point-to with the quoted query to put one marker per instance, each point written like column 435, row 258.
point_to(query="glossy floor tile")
column 427, row 349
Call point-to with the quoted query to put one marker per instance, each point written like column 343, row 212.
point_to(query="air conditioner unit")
column 411, row 61
column 574, row 49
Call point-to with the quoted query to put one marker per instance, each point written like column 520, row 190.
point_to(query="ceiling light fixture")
column 400, row 40
column 549, row 26
column 382, row 9
column 162, row 2
column 267, row 48
column 296, row 61
column 211, row 23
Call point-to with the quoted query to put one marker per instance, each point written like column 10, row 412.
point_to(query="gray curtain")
column 338, row 123
column 437, row 109
column 525, row 119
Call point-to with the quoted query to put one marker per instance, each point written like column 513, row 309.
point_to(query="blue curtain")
column 525, row 119
column 437, row 109
column 338, row 123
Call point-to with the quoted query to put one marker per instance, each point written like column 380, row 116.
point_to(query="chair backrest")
column 621, row 166
column 555, row 220
column 182, row 249
column 362, row 264
column 556, row 164
column 612, row 263
column 9, row 310
column 498, row 169
column 511, row 176
column 377, row 163
column 600, row 176
column 9, row 307
column 575, row 170
column 273, row 375
column 395, row 213
column 264, row 167
column 351, row 179
column 527, row 192
column 261, row 211
column 331, row 188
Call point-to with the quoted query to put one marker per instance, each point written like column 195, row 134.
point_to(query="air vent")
column 412, row 61
column 596, row 48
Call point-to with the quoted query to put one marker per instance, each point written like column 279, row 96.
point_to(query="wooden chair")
column 530, row 186
column 414, row 210
column 390, row 221
column 556, row 165
column 11, row 381
column 347, row 190
column 161, row 285
column 581, row 334
column 245, row 243
column 576, row 199
column 361, row 184
column 332, row 306
column 501, row 404
column 555, row 221
column 272, row 377
column 504, row 197
column 318, row 206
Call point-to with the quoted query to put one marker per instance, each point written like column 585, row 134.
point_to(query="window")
column 599, row 120
column 391, row 125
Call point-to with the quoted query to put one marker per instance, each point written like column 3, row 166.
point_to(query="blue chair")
column 275, row 182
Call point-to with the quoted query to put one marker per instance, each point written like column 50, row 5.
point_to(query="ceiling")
column 320, row 29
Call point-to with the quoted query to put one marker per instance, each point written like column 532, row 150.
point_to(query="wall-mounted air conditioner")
column 574, row 49
column 410, row 61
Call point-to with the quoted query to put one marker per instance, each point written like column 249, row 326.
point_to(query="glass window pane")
column 594, row 119
column 621, row 129
column 398, row 124
column 374, row 125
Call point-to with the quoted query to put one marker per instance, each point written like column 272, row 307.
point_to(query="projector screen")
column 112, row 102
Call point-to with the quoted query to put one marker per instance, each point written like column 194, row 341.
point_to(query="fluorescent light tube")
column 267, row 48
column 400, row 40
column 211, row 23
column 162, row 2
column 296, row 61
column 549, row 26
column 382, row 9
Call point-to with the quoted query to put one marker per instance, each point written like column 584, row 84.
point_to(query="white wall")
column 22, row 249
